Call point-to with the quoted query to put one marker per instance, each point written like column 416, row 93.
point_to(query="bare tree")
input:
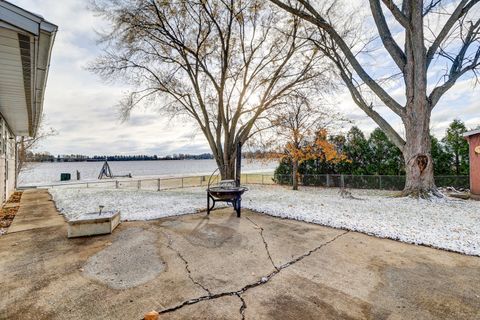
column 435, row 33
column 26, row 145
column 224, row 63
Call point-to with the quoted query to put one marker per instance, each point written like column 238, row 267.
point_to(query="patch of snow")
column 442, row 223
column 94, row 215
column 132, row 204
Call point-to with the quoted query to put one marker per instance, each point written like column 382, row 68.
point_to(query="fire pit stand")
column 223, row 193
column 228, row 191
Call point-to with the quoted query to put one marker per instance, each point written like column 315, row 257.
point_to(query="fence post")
column 342, row 181
column 158, row 184
column 139, row 184
column 328, row 180
column 87, row 184
column 116, row 184
column 182, row 182
column 380, row 181
column 246, row 178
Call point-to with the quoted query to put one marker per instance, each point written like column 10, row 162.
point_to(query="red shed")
column 473, row 138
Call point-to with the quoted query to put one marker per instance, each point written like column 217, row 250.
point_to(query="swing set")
column 106, row 172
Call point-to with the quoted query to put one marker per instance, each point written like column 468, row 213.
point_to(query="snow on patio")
column 448, row 224
column 132, row 204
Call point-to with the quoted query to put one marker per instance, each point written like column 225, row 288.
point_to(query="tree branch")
column 320, row 22
column 463, row 7
column 392, row 47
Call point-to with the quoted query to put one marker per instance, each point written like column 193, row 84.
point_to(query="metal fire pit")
column 229, row 191
column 225, row 191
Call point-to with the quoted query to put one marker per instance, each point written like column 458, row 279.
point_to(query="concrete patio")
column 222, row 267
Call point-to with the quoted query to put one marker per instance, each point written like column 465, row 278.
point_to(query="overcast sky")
column 83, row 110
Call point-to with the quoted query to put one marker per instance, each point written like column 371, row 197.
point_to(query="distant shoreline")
column 126, row 160
column 112, row 160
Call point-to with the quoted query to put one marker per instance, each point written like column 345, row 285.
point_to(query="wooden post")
column 158, row 184
column 328, row 180
column 116, row 184
column 342, row 181
column 139, row 184
column 182, row 182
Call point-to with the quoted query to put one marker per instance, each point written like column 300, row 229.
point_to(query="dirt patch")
column 8, row 211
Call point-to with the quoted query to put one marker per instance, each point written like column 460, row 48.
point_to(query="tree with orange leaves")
column 301, row 133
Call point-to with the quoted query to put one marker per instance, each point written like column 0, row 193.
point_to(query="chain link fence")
column 368, row 181
column 318, row 180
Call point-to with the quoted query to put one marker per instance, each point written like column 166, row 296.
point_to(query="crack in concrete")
column 264, row 241
column 242, row 307
column 169, row 245
column 262, row 281
column 190, row 274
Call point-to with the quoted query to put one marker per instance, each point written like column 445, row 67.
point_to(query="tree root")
column 426, row 194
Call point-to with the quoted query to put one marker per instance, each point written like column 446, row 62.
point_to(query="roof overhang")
column 26, row 41
column 471, row 133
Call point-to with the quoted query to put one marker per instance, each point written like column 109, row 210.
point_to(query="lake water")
column 47, row 173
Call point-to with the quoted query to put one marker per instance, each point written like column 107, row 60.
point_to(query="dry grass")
column 7, row 214
column 15, row 197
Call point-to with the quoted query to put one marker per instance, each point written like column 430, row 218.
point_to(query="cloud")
column 82, row 108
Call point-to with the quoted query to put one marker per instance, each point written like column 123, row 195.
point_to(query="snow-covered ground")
column 449, row 224
column 132, row 204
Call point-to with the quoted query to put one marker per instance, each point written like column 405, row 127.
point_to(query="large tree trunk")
column 418, row 159
column 295, row 174
column 227, row 167
column 229, row 173
column 416, row 151
column 227, row 170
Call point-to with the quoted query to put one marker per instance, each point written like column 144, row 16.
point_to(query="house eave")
column 26, row 41
column 471, row 133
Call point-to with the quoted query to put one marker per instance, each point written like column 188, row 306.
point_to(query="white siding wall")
column 2, row 181
column 11, row 159
column 7, row 162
